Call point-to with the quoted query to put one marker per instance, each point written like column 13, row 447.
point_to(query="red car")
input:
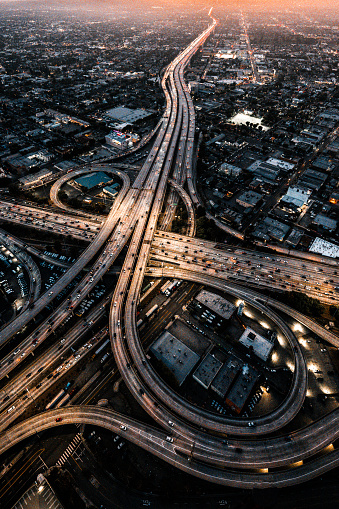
column 58, row 419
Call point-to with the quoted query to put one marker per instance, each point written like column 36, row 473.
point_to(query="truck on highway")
column 105, row 357
column 98, row 350
column 172, row 286
column 147, row 287
column 55, row 400
column 151, row 311
column 63, row 401
column 164, row 287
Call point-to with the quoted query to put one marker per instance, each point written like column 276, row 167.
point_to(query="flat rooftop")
column 127, row 115
column 271, row 228
column 111, row 190
column 207, row 370
column 242, row 388
column 174, row 354
column 262, row 347
column 215, row 303
column 325, row 248
column 93, row 179
column 226, row 376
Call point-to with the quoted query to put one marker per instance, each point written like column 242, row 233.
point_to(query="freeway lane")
column 181, row 454
column 132, row 207
column 15, row 391
column 194, row 272
column 251, row 267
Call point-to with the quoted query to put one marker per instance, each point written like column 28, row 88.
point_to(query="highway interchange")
column 247, row 458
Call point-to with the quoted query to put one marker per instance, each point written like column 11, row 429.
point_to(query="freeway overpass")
column 201, row 452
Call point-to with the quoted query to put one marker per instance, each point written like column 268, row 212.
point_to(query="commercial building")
column 323, row 162
column 261, row 346
column 226, row 376
column 324, row 248
column 66, row 165
column 312, row 179
column 307, row 137
column 298, row 196
column 279, row 163
column 112, row 190
column 325, row 222
column 217, row 304
column 117, row 139
column 242, row 388
column 35, row 178
column 333, row 147
column 294, row 237
column 266, row 171
column 271, row 229
column 230, row 170
column 92, row 180
column 62, row 117
column 126, row 115
column 20, row 163
column 229, row 215
column 175, row 355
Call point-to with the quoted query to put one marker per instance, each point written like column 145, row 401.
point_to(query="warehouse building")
column 226, row 376
column 174, row 354
column 207, row 370
column 242, row 389
column 262, row 347
column 217, row 304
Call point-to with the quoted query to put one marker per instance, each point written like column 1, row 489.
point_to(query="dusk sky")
column 247, row 4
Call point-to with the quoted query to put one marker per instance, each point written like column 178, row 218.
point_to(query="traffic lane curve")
column 92, row 415
column 155, row 442
column 323, row 278
column 320, row 331
column 83, row 171
column 273, row 453
column 34, row 251
column 266, row 424
column 10, row 329
column 227, row 270
column 190, row 210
